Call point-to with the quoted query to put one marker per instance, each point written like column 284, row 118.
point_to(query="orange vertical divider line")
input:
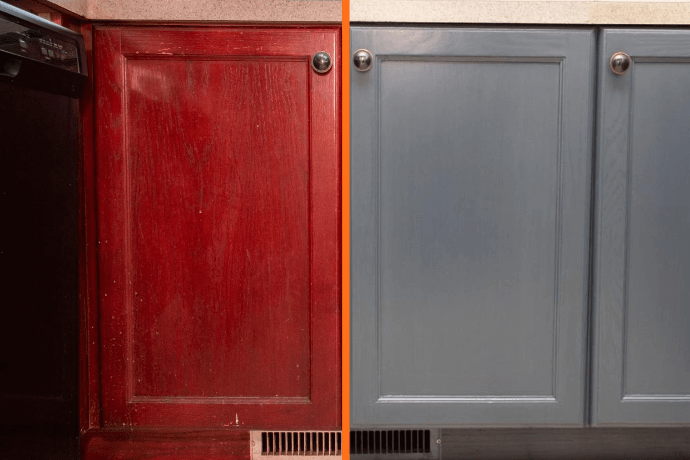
column 345, row 196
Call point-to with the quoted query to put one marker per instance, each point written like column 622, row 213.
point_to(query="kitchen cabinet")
column 641, row 302
column 218, row 196
column 478, row 297
column 471, row 176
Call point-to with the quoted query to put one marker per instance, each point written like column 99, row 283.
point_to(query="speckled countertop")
column 207, row 10
column 520, row 11
column 650, row 12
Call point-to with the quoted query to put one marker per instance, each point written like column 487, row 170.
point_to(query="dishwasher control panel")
column 35, row 44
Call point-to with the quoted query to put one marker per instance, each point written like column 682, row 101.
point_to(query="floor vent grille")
column 283, row 444
column 390, row 442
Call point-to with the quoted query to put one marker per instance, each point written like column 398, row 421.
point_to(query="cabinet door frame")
column 114, row 47
column 567, row 406
column 611, row 405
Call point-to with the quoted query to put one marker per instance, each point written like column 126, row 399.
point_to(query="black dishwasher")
column 42, row 73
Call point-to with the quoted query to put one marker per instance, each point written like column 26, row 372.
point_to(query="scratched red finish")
column 148, row 445
column 219, row 240
column 89, row 369
column 218, row 224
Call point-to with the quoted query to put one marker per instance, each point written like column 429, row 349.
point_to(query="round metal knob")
column 362, row 60
column 321, row 62
column 619, row 63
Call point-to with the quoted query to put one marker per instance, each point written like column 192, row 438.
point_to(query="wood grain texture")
column 566, row 444
column 220, row 239
column 218, row 216
column 89, row 368
column 470, row 221
column 195, row 445
column 641, row 371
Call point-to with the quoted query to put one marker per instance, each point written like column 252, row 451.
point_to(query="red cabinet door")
column 218, row 182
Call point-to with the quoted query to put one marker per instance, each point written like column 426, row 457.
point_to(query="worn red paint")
column 89, row 368
column 145, row 445
column 218, row 192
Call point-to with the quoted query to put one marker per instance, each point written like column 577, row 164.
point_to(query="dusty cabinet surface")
column 471, row 165
column 218, row 225
column 641, row 302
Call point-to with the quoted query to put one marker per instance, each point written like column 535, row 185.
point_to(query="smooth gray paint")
column 642, row 271
column 468, row 246
column 470, row 167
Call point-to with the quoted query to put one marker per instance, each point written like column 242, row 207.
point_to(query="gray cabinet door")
column 641, row 371
column 471, row 166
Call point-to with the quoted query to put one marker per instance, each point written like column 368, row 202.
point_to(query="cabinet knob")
column 619, row 63
column 362, row 60
column 321, row 62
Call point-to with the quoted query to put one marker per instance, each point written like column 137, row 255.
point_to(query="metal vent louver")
column 390, row 442
column 284, row 444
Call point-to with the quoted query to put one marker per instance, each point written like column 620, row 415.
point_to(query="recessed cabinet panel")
column 190, row 333
column 218, row 204
column 470, row 247
column 642, row 298
column 471, row 160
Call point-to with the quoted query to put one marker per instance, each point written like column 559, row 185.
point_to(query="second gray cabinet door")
column 641, row 371
column 471, row 166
